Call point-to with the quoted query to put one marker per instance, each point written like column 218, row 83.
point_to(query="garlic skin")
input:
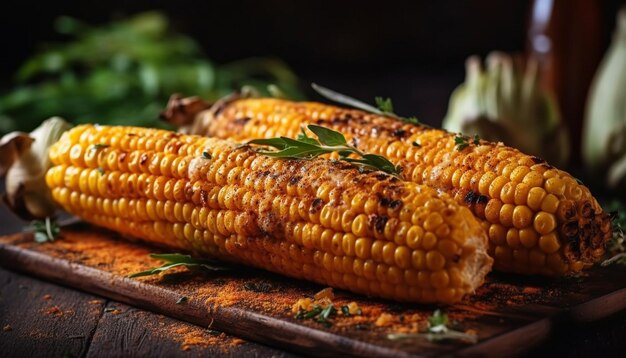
column 505, row 102
column 604, row 134
column 24, row 161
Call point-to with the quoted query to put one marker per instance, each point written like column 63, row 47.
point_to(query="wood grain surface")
column 511, row 314
column 43, row 319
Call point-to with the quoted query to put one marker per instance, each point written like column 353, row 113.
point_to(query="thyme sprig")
column 438, row 330
column 384, row 106
column 328, row 141
column 177, row 260
column 46, row 230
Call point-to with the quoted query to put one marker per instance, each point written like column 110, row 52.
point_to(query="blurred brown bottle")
column 569, row 38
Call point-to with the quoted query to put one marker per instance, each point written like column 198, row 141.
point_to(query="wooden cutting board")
column 511, row 314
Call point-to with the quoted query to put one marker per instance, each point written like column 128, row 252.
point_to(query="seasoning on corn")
column 324, row 221
column 540, row 220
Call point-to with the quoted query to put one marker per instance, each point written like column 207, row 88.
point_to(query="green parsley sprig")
column 384, row 106
column 176, row 260
column 462, row 141
column 438, row 330
column 328, row 141
column 46, row 230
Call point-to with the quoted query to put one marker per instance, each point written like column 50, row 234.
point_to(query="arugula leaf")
column 176, row 260
column 329, row 141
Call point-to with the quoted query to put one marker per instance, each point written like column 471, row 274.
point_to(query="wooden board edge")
column 156, row 299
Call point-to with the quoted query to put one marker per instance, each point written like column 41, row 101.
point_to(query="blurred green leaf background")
column 123, row 73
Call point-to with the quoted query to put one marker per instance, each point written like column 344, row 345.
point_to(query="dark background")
column 411, row 51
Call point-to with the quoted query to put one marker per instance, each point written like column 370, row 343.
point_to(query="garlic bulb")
column 604, row 135
column 24, row 160
column 505, row 102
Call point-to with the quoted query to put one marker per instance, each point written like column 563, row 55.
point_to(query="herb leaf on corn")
column 328, row 141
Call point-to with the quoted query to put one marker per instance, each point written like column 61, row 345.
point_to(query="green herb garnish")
column 46, row 230
column 384, row 105
column 176, row 260
column 476, row 139
column 460, row 142
column 96, row 69
column 319, row 314
column 345, row 310
column 182, row 300
column 329, row 141
column 438, row 330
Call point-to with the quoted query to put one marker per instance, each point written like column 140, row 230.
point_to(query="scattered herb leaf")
column 412, row 120
column 182, row 300
column 206, row 155
column 176, row 260
column 438, row 330
column 460, row 142
column 476, row 139
column 46, row 230
column 384, row 104
column 319, row 314
column 345, row 310
column 328, row 141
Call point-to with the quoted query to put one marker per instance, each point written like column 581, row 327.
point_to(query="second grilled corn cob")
column 539, row 219
column 326, row 222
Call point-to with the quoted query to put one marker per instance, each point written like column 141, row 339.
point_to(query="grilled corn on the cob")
column 539, row 219
column 318, row 220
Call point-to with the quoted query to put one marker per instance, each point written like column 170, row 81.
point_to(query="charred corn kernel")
column 500, row 184
column 242, row 206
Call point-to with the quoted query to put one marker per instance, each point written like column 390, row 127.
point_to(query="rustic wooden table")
column 40, row 318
